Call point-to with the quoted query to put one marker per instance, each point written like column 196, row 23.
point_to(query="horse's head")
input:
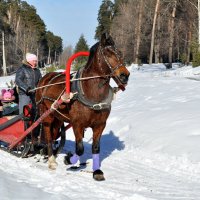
column 114, row 61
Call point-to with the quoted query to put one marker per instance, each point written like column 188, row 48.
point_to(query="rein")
column 77, row 88
column 92, row 77
column 54, row 104
column 74, row 79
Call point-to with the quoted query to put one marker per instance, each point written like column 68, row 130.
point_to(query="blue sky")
column 69, row 18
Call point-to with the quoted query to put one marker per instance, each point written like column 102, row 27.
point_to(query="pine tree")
column 105, row 17
column 4, row 29
column 54, row 45
column 81, row 46
column 22, row 30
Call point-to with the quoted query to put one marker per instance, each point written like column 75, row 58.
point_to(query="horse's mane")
column 92, row 52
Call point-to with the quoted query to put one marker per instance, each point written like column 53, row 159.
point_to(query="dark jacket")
column 27, row 78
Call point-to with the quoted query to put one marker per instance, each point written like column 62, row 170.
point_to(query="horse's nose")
column 124, row 78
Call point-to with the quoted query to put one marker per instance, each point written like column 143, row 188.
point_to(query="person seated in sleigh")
column 8, row 106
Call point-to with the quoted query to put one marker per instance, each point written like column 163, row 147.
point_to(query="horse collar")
column 80, row 96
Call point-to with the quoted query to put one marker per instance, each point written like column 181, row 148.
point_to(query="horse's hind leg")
column 97, row 132
column 73, row 158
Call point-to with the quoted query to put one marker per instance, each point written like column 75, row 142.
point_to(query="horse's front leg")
column 52, row 164
column 73, row 158
column 97, row 132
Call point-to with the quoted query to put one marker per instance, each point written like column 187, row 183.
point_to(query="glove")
column 28, row 92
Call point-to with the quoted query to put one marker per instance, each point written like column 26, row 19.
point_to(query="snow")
column 149, row 148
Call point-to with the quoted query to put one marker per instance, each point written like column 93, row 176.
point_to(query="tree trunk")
column 4, row 56
column 37, row 56
column 17, row 32
column 49, row 57
column 178, row 49
column 199, row 25
column 55, row 58
column 138, row 34
column 157, row 42
column 153, row 31
column 188, row 47
column 171, row 31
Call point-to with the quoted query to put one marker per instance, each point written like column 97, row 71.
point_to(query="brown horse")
column 90, row 106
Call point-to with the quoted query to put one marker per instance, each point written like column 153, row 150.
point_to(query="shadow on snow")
column 109, row 143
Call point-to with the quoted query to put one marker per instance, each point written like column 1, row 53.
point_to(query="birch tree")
column 171, row 32
column 4, row 55
column 153, row 31
column 157, row 40
column 198, row 8
column 138, row 34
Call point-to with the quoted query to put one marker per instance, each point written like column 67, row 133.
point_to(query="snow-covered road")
column 149, row 149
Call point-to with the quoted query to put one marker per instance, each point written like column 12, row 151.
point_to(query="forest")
column 22, row 30
column 153, row 31
column 156, row 31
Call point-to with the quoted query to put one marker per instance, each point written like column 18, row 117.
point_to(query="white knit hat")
column 30, row 57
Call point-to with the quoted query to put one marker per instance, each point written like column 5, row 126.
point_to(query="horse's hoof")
column 53, row 166
column 52, row 163
column 98, row 175
column 67, row 158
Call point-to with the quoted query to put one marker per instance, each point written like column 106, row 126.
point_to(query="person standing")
column 27, row 78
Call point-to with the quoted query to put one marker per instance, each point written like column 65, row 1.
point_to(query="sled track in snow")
column 135, row 176
column 154, row 181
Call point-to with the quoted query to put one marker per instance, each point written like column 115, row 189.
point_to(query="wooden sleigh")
column 16, row 131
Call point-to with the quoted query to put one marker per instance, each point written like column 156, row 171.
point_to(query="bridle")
column 115, row 51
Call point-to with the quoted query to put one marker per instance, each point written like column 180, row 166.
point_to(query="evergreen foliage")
column 3, row 17
column 25, row 32
column 196, row 59
column 54, row 43
column 81, row 46
column 196, row 55
column 183, row 58
column 105, row 16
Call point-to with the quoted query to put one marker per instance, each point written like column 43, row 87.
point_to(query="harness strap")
column 76, row 87
column 45, row 89
column 48, row 98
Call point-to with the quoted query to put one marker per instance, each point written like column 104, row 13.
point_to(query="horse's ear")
column 106, row 40
column 103, row 38
column 110, row 41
